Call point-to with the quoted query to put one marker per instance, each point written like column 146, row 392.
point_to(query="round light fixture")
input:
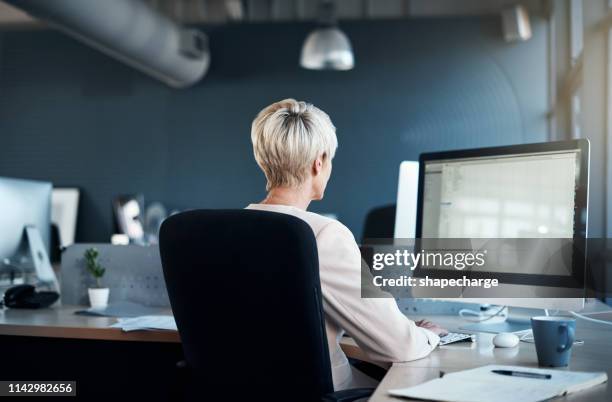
column 327, row 48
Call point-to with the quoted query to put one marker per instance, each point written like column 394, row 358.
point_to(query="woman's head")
column 294, row 144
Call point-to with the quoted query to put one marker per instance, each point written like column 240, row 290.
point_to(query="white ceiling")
column 219, row 11
column 297, row 10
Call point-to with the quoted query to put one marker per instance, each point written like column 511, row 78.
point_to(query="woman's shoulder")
column 318, row 222
column 325, row 224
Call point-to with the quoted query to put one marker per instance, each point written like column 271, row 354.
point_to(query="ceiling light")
column 327, row 47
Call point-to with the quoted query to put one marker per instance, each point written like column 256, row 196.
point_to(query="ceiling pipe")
column 132, row 32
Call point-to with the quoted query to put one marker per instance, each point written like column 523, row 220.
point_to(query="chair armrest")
column 371, row 370
column 348, row 395
column 353, row 351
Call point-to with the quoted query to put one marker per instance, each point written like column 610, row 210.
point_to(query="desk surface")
column 594, row 355
column 61, row 322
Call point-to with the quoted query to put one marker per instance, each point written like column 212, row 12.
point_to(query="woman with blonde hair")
column 294, row 144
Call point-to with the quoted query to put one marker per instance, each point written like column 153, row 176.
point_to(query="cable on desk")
column 584, row 317
column 527, row 337
column 597, row 312
column 464, row 312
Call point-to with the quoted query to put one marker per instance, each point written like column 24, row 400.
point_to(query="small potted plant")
column 98, row 296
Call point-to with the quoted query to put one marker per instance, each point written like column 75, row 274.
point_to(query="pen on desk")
column 523, row 374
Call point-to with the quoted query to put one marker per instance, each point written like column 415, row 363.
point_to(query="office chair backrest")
column 380, row 223
column 56, row 245
column 245, row 291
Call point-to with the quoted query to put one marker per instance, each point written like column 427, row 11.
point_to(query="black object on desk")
column 26, row 296
column 523, row 374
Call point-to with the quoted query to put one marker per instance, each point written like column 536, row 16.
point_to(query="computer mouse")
column 505, row 340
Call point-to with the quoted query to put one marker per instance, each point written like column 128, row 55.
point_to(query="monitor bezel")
column 581, row 197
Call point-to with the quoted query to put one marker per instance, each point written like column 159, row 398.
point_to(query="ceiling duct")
column 132, row 32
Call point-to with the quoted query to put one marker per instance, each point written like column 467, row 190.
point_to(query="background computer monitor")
column 521, row 191
column 23, row 203
column 405, row 213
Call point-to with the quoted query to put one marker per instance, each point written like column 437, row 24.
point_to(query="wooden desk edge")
column 92, row 333
column 61, row 322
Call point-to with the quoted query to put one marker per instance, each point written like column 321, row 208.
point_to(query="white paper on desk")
column 482, row 385
column 146, row 322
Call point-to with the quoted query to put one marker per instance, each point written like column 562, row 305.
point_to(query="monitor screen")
column 523, row 195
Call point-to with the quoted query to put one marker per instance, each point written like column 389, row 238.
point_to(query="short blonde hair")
column 287, row 137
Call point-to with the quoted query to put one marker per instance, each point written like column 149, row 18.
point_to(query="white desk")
column 594, row 355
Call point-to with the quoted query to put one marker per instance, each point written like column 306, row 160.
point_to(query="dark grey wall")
column 73, row 116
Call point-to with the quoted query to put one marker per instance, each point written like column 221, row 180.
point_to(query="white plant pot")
column 98, row 297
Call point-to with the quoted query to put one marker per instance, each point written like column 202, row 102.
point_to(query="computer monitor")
column 25, row 228
column 522, row 191
column 405, row 213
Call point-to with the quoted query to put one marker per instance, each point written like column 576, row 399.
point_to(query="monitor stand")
column 512, row 324
column 498, row 321
column 40, row 259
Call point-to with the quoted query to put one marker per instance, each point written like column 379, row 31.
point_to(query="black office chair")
column 245, row 292
column 379, row 223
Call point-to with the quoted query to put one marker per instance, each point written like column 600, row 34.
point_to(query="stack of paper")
column 482, row 385
column 146, row 322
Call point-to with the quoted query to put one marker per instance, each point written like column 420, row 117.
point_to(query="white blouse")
column 377, row 325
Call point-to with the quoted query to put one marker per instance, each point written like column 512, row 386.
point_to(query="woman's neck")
column 294, row 197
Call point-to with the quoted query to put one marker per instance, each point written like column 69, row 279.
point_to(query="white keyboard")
column 453, row 337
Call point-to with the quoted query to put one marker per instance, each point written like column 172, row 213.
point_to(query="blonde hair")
column 287, row 137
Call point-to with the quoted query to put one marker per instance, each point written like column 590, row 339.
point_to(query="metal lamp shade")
column 327, row 48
